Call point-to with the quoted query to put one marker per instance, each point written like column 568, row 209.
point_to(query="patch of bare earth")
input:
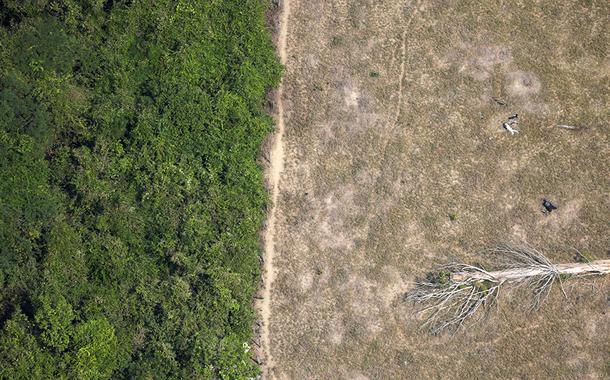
column 395, row 162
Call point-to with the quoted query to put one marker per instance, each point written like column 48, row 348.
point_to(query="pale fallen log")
column 458, row 291
column 597, row 267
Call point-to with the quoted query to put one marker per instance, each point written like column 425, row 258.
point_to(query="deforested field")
column 396, row 162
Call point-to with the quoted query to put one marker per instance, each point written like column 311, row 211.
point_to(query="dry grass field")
column 396, row 162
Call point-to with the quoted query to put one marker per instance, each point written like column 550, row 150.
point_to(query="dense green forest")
column 130, row 192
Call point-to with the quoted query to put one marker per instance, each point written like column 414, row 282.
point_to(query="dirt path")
column 275, row 170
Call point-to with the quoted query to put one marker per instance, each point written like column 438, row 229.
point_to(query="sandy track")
column 275, row 169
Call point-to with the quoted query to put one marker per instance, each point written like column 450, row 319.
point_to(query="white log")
column 518, row 274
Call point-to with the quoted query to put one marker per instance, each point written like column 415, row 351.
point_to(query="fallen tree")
column 458, row 291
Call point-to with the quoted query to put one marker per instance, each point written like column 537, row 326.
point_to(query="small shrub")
column 583, row 256
column 441, row 278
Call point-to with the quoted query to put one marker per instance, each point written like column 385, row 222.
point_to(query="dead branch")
column 458, row 291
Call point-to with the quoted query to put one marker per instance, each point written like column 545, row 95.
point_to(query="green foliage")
column 55, row 318
column 21, row 355
column 583, row 256
column 130, row 193
column 442, row 277
column 96, row 349
column 237, row 360
column 483, row 286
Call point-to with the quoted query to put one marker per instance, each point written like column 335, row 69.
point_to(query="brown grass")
column 372, row 198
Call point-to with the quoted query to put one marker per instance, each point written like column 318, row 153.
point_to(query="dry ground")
column 396, row 162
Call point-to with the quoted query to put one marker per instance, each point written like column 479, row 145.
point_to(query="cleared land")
column 396, row 162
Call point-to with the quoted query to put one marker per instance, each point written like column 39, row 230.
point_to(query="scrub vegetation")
column 130, row 193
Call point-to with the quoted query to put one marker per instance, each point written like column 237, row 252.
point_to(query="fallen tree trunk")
column 458, row 291
column 597, row 267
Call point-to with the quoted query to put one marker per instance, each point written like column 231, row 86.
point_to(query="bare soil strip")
column 274, row 172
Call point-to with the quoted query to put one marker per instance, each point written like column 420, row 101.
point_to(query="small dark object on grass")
column 336, row 41
column 374, row 74
column 583, row 257
column 500, row 102
column 514, row 119
column 548, row 205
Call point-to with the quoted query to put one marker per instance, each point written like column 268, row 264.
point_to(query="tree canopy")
column 130, row 193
